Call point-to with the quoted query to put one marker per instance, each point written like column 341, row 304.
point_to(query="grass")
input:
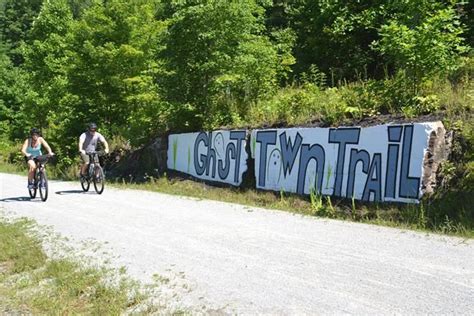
column 11, row 168
column 32, row 283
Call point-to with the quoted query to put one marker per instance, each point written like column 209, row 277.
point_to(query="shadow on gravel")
column 20, row 199
column 71, row 192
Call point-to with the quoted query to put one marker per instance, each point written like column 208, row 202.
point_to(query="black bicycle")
column 95, row 173
column 40, row 181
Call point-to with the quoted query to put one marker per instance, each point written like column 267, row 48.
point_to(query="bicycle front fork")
column 90, row 170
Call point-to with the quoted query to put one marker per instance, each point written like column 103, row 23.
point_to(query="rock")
column 139, row 165
column 439, row 147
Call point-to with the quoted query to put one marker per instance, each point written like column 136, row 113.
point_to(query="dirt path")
column 239, row 259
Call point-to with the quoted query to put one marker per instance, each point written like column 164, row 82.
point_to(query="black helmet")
column 92, row 126
column 34, row 131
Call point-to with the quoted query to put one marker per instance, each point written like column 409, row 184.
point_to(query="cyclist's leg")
column 85, row 163
column 31, row 170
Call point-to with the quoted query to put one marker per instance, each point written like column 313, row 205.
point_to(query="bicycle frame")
column 93, row 156
column 94, row 174
column 40, row 168
column 40, row 180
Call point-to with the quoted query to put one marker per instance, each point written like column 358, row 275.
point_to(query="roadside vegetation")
column 147, row 68
column 33, row 283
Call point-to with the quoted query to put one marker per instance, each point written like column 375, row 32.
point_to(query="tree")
column 13, row 90
column 111, row 69
column 46, row 60
column 335, row 37
column 466, row 12
column 218, row 61
column 99, row 67
column 16, row 18
column 425, row 44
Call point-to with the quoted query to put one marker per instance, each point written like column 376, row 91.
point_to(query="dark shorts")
column 29, row 158
column 41, row 158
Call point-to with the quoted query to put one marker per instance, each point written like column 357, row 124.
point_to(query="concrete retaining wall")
column 383, row 163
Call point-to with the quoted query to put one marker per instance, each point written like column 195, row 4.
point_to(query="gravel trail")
column 237, row 259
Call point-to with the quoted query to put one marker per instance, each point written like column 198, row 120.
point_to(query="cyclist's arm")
column 81, row 143
column 106, row 145
column 45, row 144
column 23, row 148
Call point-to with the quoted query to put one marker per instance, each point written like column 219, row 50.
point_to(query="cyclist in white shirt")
column 88, row 143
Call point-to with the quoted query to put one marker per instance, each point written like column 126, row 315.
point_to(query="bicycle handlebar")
column 98, row 153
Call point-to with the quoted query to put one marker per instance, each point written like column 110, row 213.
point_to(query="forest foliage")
column 141, row 68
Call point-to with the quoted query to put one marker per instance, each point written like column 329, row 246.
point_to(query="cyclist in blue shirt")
column 31, row 149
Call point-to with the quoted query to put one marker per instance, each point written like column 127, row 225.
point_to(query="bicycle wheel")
column 43, row 186
column 32, row 191
column 98, row 179
column 85, row 183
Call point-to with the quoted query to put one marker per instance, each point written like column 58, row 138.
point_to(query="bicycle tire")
column 85, row 184
column 32, row 192
column 43, row 186
column 99, row 179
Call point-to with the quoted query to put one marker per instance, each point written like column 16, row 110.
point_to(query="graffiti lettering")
column 264, row 138
column 356, row 156
column 373, row 183
column 343, row 137
column 289, row 151
column 305, row 158
column 238, row 136
column 219, row 155
column 309, row 153
column 216, row 156
column 200, row 161
column 409, row 186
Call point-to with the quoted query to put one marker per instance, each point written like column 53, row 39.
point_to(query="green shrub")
column 374, row 97
column 300, row 105
column 10, row 152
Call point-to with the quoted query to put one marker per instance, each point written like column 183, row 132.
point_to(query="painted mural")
column 379, row 163
column 215, row 156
